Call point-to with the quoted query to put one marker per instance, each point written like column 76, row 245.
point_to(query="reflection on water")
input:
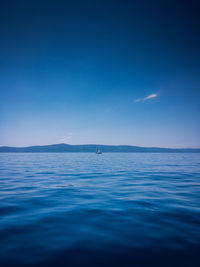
column 65, row 209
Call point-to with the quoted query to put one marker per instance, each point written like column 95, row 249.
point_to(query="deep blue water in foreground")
column 64, row 209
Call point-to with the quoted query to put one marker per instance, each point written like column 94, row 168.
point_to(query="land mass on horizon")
column 93, row 148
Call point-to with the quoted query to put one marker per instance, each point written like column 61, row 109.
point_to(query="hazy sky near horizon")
column 104, row 72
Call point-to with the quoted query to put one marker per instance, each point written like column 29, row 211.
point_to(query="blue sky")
column 104, row 72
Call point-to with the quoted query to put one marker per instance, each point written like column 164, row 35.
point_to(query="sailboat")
column 98, row 151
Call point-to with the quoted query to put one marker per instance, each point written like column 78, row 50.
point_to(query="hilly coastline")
column 57, row 148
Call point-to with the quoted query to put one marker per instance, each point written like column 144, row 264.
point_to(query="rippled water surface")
column 114, row 209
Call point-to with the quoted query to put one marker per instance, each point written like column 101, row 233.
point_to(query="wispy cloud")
column 146, row 98
column 66, row 138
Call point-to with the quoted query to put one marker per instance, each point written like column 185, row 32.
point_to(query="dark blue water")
column 61, row 209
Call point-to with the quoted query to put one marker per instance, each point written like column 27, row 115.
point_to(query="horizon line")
column 99, row 145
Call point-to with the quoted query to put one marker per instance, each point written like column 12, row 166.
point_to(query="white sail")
column 98, row 151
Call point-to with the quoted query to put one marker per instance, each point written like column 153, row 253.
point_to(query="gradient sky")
column 105, row 72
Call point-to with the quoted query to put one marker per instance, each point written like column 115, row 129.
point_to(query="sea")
column 112, row 209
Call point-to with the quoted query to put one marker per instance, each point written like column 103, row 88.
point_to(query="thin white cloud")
column 66, row 138
column 146, row 98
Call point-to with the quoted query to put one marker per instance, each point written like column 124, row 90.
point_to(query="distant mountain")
column 93, row 149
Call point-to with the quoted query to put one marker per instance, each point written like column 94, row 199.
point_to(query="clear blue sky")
column 105, row 72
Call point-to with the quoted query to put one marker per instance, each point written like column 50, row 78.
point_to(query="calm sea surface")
column 114, row 209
